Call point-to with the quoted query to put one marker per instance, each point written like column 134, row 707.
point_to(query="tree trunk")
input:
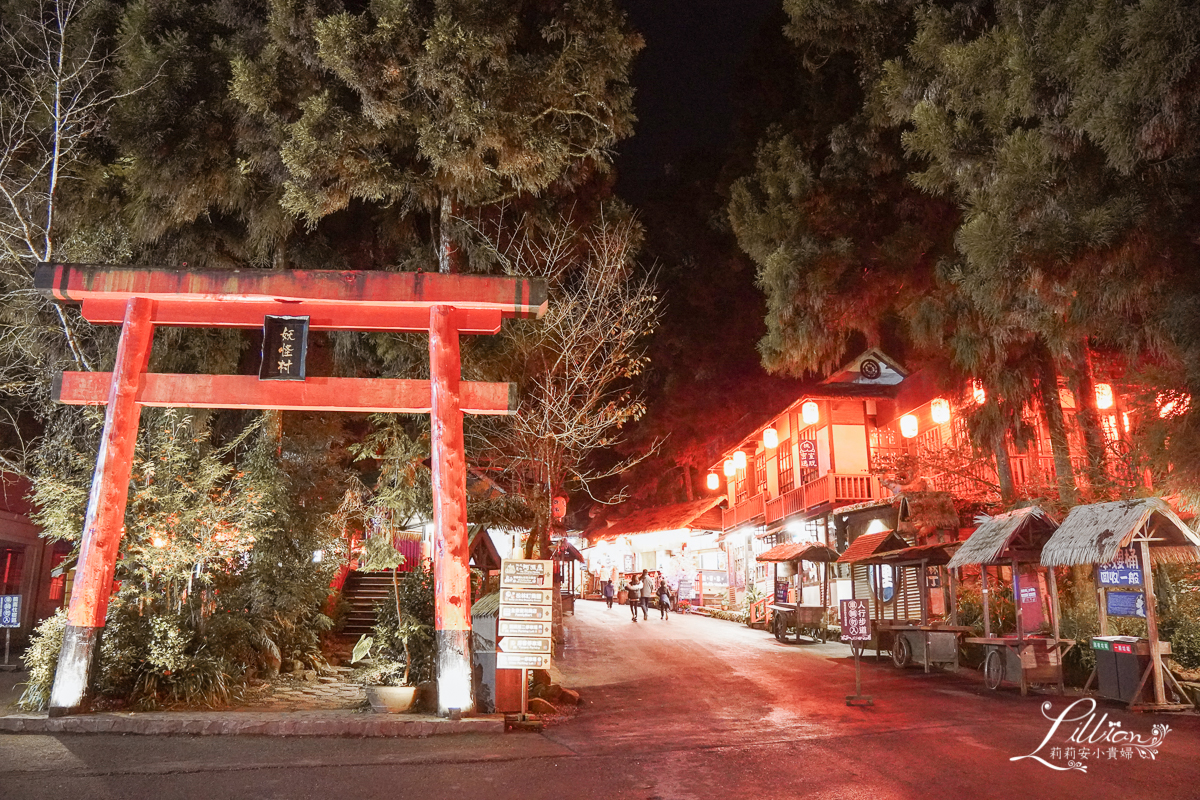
column 449, row 256
column 1088, row 415
column 1056, row 423
column 687, row 482
column 1004, row 475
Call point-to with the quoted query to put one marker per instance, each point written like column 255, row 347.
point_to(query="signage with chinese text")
column 781, row 591
column 855, row 621
column 510, row 627
column 933, row 577
column 1126, row 604
column 520, row 573
column 808, row 454
column 1124, row 570
column 524, row 613
column 285, row 346
column 10, row 610
column 1031, row 600
column 521, row 661
column 528, row 597
column 524, row 644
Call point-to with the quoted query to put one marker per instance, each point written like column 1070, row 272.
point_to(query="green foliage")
column 41, row 661
column 402, row 647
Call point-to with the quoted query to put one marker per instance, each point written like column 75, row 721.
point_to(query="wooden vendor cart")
column 1123, row 541
column 1015, row 540
column 919, row 637
column 785, row 615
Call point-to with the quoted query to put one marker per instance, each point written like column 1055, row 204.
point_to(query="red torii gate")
column 140, row 299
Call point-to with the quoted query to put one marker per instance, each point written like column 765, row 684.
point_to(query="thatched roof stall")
column 999, row 539
column 1124, row 540
column 1095, row 534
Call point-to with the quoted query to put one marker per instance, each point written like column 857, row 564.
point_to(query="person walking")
column 664, row 598
column 607, row 592
column 647, row 593
column 634, row 587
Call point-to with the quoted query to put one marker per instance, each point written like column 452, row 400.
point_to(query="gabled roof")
column 935, row 554
column 799, row 551
column 872, row 368
column 1026, row 529
column 482, row 549
column 696, row 515
column 1093, row 534
column 871, row 544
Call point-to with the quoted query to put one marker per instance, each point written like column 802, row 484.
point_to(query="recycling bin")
column 1120, row 663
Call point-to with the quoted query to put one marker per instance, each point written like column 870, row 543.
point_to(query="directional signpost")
column 526, row 614
column 856, row 628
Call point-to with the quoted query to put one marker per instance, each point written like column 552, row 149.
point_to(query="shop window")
column 760, row 472
column 787, row 476
column 760, row 574
column 739, row 486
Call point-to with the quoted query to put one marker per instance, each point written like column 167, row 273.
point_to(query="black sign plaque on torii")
column 285, row 346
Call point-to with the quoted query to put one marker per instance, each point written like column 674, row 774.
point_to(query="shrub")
column 41, row 660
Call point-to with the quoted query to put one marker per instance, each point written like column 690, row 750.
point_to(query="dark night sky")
column 684, row 79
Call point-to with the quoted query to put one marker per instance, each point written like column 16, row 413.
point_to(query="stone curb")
column 251, row 724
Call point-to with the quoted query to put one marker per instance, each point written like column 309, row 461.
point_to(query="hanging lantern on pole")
column 770, row 438
column 729, row 468
column 810, row 412
column 713, row 482
column 939, row 409
column 908, row 426
column 739, row 459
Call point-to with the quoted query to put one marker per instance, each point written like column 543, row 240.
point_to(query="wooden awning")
column 1093, row 534
column 931, row 554
column 871, row 544
column 1021, row 533
column 799, row 551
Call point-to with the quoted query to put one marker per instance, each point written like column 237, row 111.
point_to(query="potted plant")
column 387, row 678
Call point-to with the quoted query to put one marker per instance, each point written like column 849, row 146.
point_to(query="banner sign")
column 1126, row 604
column 520, row 573
column 10, row 610
column 808, row 453
column 855, row 621
column 284, row 348
column 1124, row 570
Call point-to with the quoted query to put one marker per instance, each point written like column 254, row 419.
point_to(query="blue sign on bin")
column 1126, row 604
column 10, row 610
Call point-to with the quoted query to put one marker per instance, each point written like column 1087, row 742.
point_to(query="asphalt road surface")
column 682, row 709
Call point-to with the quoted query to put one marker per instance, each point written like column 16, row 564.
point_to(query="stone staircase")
column 363, row 591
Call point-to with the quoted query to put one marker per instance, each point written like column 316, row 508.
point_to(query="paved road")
column 688, row 708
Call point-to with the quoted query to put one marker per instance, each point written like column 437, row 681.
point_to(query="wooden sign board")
column 525, row 613
column 524, row 644
column 510, row 627
column 526, row 597
column 521, row 573
column 284, row 348
column 522, row 661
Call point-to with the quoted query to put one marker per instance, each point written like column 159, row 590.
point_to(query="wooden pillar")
column 1156, row 664
column 1016, row 585
column 451, row 574
column 1101, row 600
column 1053, row 581
column 105, row 517
column 983, row 590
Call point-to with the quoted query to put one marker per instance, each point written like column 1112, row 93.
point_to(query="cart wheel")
column 901, row 652
column 993, row 669
column 780, row 627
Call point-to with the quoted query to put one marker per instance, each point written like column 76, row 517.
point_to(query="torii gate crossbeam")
column 445, row 306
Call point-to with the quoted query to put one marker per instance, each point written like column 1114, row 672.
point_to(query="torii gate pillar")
column 444, row 306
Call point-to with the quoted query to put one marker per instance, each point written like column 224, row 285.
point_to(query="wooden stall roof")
column 482, row 549
column 998, row 538
column 871, row 544
column 565, row 551
column 916, row 511
column 697, row 515
column 799, row 551
column 934, row 554
column 1093, row 534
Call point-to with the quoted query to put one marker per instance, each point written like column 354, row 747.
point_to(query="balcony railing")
column 829, row 488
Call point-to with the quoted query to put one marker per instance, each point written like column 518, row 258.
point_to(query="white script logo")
column 1091, row 739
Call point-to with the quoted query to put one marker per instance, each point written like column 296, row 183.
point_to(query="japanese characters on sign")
column 521, row 573
column 525, row 613
column 510, row 627
column 1124, row 570
column 1126, row 604
column 285, row 347
column 808, row 454
column 525, row 644
column 933, row 577
column 522, row 661
column 855, row 621
column 10, row 610
column 527, row 597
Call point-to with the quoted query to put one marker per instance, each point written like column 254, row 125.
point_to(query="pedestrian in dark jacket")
column 634, row 587
column 664, row 598
column 647, row 593
column 607, row 592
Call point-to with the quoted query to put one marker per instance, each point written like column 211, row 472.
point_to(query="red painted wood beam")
column 451, row 573
column 105, row 518
column 322, row 316
column 513, row 297
column 313, row 394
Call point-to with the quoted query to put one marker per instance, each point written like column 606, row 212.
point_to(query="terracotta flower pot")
column 392, row 699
